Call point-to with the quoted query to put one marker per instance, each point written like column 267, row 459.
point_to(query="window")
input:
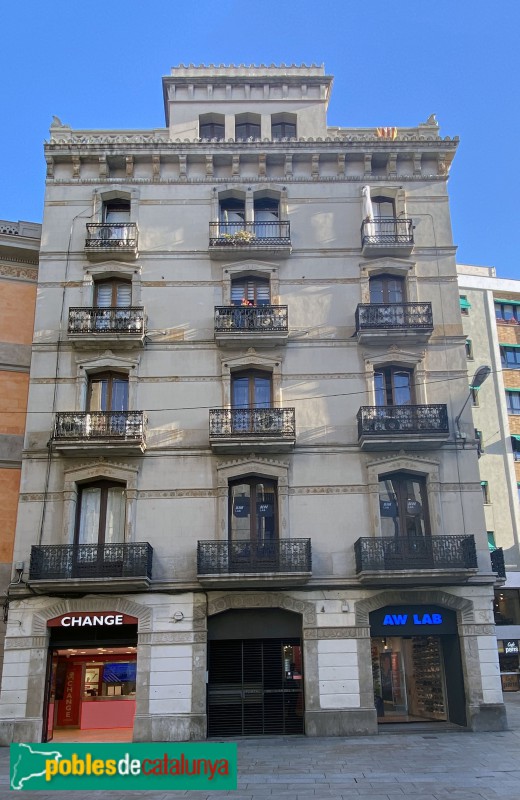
column 513, row 402
column 386, row 289
column 510, row 356
column 480, row 442
column 247, row 126
column 491, row 541
column 383, row 206
column 113, row 294
column 393, row 387
column 108, row 391
column 464, row 305
column 485, row 491
column 515, row 444
column 507, row 312
column 253, row 510
column 232, row 214
column 250, row 291
column 211, row 126
column 283, row 126
column 117, row 210
column 251, row 389
column 474, row 396
column 507, row 607
column 403, row 506
column 267, row 216
column 469, row 349
column 101, row 514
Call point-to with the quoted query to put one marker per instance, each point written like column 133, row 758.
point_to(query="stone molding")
column 463, row 606
column 25, row 642
column 19, row 273
column 92, row 604
column 264, row 600
column 172, row 637
column 347, row 632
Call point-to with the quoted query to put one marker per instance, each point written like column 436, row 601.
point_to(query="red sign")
column 69, row 705
column 91, row 619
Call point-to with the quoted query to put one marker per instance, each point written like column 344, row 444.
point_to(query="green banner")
column 129, row 767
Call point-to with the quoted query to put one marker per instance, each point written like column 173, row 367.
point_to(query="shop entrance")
column 416, row 665
column 255, row 685
column 91, row 679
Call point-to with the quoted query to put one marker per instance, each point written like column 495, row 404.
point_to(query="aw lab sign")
column 420, row 620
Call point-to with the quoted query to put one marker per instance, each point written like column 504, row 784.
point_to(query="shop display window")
column 506, row 607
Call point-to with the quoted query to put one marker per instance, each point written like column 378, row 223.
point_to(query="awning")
column 508, row 344
column 511, row 389
column 464, row 302
column 516, row 437
column 507, row 302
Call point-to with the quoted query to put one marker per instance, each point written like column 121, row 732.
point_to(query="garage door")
column 255, row 687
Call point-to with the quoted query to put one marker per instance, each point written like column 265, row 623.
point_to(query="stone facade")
column 247, row 193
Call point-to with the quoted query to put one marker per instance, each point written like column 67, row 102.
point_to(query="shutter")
column 104, row 295
column 124, row 295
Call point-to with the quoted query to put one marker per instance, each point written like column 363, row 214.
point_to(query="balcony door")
column 386, row 289
column 250, row 291
column 393, row 387
column 100, row 529
column 232, row 215
column 252, row 389
column 111, row 295
column 267, row 216
column 107, row 393
column 116, row 215
column 404, row 516
column 384, row 217
column 253, row 524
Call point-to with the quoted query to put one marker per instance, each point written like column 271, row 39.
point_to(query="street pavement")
column 425, row 765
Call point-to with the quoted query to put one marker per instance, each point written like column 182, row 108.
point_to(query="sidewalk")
column 420, row 766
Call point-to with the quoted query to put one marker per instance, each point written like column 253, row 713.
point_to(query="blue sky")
column 99, row 65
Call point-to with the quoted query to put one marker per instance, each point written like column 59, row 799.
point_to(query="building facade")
column 491, row 319
column 19, row 246
column 246, row 507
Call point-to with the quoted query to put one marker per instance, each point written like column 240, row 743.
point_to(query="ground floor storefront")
column 186, row 666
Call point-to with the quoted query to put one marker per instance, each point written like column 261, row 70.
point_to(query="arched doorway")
column 255, row 673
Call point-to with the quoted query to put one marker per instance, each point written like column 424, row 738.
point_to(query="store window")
column 507, row 607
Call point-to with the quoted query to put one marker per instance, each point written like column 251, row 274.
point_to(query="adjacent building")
column 491, row 319
column 251, row 500
column 19, row 246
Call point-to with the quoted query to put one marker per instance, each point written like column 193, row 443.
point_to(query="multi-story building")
column 246, row 506
column 19, row 246
column 491, row 319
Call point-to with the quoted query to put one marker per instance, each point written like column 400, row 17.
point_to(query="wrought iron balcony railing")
column 235, row 319
column 58, row 562
column 498, row 564
column 106, row 320
column 250, row 422
column 409, row 553
column 427, row 419
column 387, row 231
column 249, row 234
column 244, row 555
column 107, row 235
column 116, row 425
column 394, row 315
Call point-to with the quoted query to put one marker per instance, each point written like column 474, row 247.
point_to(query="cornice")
column 355, row 140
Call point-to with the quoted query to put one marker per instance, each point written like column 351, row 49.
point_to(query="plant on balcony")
column 240, row 237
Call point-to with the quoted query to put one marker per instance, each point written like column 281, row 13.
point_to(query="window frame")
column 505, row 350
column 515, row 312
column 115, row 283
column 401, row 478
column 110, row 376
column 254, row 481
column 513, row 409
column 386, row 279
column 251, row 375
column 104, row 485
column 389, row 372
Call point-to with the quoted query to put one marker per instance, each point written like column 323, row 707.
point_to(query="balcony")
column 111, row 240
column 387, row 236
column 498, row 564
column 246, row 562
column 232, row 239
column 86, row 567
column 406, row 427
column 266, row 430
column 394, row 323
column 409, row 560
column 98, row 431
column 251, row 326
column 120, row 328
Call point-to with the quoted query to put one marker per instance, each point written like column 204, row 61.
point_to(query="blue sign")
column 418, row 619
column 413, row 620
